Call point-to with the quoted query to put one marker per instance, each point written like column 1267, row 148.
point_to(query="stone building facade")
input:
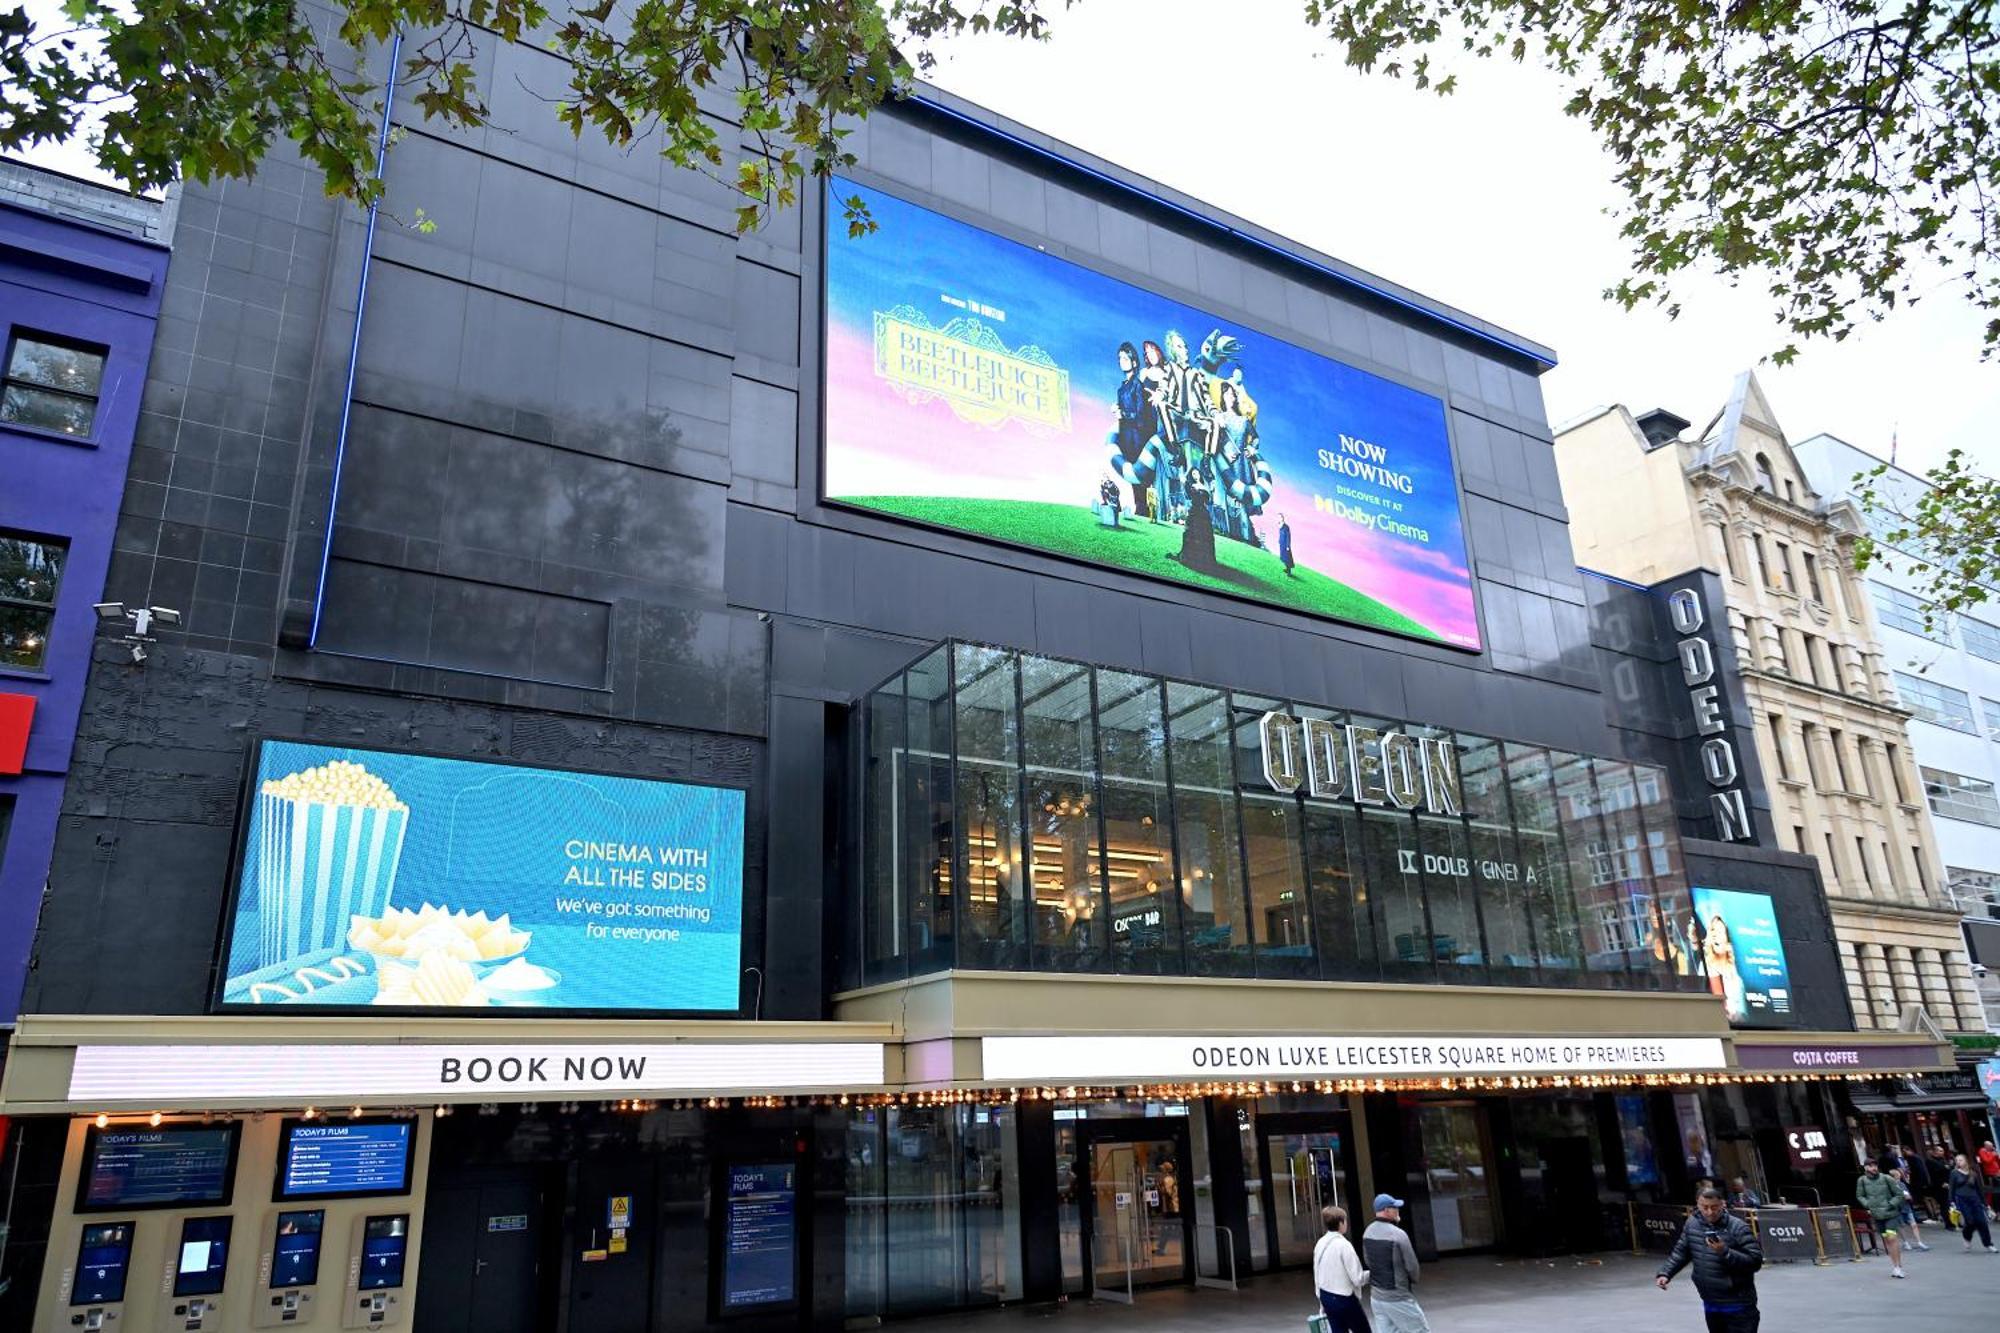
column 1649, row 501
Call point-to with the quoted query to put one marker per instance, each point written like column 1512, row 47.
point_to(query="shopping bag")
column 1319, row 1324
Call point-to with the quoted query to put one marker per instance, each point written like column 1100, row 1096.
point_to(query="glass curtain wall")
column 933, row 1208
column 1033, row 814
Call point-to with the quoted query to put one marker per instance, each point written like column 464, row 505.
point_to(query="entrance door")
column 1141, row 1203
column 1306, row 1176
column 481, row 1258
column 1458, row 1172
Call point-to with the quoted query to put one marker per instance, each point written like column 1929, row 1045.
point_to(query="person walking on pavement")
column 1392, row 1269
column 1882, row 1195
column 1971, row 1208
column 1339, row 1276
column 1909, row 1211
column 1989, row 1166
column 1726, row 1256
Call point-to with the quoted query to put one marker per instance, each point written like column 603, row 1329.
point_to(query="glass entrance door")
column 1457, row 1169
column 1138, row 1191
column 1305, row 1177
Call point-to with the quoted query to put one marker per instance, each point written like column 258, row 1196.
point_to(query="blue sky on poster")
column 1490, row 200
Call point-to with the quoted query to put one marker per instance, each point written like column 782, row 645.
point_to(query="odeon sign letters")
column 1343, row 761
column 1720, row 765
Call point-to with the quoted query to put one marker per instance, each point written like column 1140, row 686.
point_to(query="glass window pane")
column 1395, row 894
column 24, row 636
column 30, row 571
column 883, row 858
column 1667, row 942
column 1138, row 824
column 1280, row 919
column 1629, row 892
column 1341, row 925
column 865, row 1233
column 1592, row 871
column 45, row 410
column 1544, row 868
column 994, row 921
column 1451, row 888
column 927, row 815
column 1211, row 875
column 1065, row 869
column 1505, row 903
column 55, row 366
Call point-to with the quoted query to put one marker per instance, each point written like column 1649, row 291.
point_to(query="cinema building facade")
column 783, row 781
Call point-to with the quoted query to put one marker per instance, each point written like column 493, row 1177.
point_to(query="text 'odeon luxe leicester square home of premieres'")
column 806, row 777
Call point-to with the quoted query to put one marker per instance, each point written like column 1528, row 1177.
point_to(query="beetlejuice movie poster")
column 981, row 385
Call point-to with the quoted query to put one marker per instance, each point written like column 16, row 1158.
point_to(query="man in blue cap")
column 1392, row 1270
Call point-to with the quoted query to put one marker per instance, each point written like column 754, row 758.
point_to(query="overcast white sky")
column 1490, row 200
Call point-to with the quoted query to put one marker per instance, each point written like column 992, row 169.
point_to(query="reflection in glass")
column 1396, row 895
column 1065, row 870
column 1211, row 878
column 1341, row 924
column 1505, row 892
column 1138, row 824
column 927, row 817
column 1531, row 786
column 1280, row 916
column 1024, row 812
column 986, row 718
column 1457, row 1173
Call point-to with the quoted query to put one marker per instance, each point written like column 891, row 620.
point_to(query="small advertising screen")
column 409, row 882
column 384, row 1241
column 1743, row 956
column 204, row 1256
column 173, row 1166
column 981, row 385
column 295, row 1248
column 760, row 1237
column 103, row 1258
column 351, row 1159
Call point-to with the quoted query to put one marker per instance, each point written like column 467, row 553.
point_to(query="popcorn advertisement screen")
column 981, row 385
column 371, row 878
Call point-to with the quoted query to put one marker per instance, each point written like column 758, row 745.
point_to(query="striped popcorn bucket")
column 319, row 863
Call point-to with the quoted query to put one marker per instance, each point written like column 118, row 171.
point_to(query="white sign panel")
column 1120, row 1059
column 188, row 1075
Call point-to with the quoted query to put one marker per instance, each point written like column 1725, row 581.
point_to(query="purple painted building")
column 81, row 273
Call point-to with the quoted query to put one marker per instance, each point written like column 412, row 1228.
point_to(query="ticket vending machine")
column 375, row 1271
column 288, row 1273
column 103, row 1263
column 196, row 1270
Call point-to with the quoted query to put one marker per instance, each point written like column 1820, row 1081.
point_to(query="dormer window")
column 1764, row 479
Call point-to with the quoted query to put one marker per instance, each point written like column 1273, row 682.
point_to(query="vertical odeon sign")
column 1721, row 765
column 1342, row 761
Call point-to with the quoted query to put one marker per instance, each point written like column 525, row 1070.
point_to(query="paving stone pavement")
column 1611, row 1293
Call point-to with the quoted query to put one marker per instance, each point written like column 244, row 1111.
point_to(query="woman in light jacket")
column 1339, row 1276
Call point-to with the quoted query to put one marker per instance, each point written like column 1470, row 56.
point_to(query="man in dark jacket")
column 1726, row 1257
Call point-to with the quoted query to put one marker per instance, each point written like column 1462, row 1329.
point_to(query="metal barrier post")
column 1632, row 1225
column 1102, row 1293
column 1225, row 1243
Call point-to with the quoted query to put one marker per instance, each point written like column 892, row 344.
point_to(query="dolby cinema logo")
column 1340, row 761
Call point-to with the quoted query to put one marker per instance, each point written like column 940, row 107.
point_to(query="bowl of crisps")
column 404, row 936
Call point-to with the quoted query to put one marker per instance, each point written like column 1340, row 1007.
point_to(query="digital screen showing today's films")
column 978, row 384
column 415, row 882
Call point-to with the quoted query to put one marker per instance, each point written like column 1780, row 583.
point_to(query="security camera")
column 1979, row 971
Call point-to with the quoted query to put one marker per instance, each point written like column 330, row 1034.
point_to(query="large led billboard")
column 982, row 385
column 1736, row 940
column 412, row 882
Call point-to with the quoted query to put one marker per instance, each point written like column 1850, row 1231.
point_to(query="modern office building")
column 804, row 777
column 81, row 269
column 1830, row 726
column 1946, row 670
